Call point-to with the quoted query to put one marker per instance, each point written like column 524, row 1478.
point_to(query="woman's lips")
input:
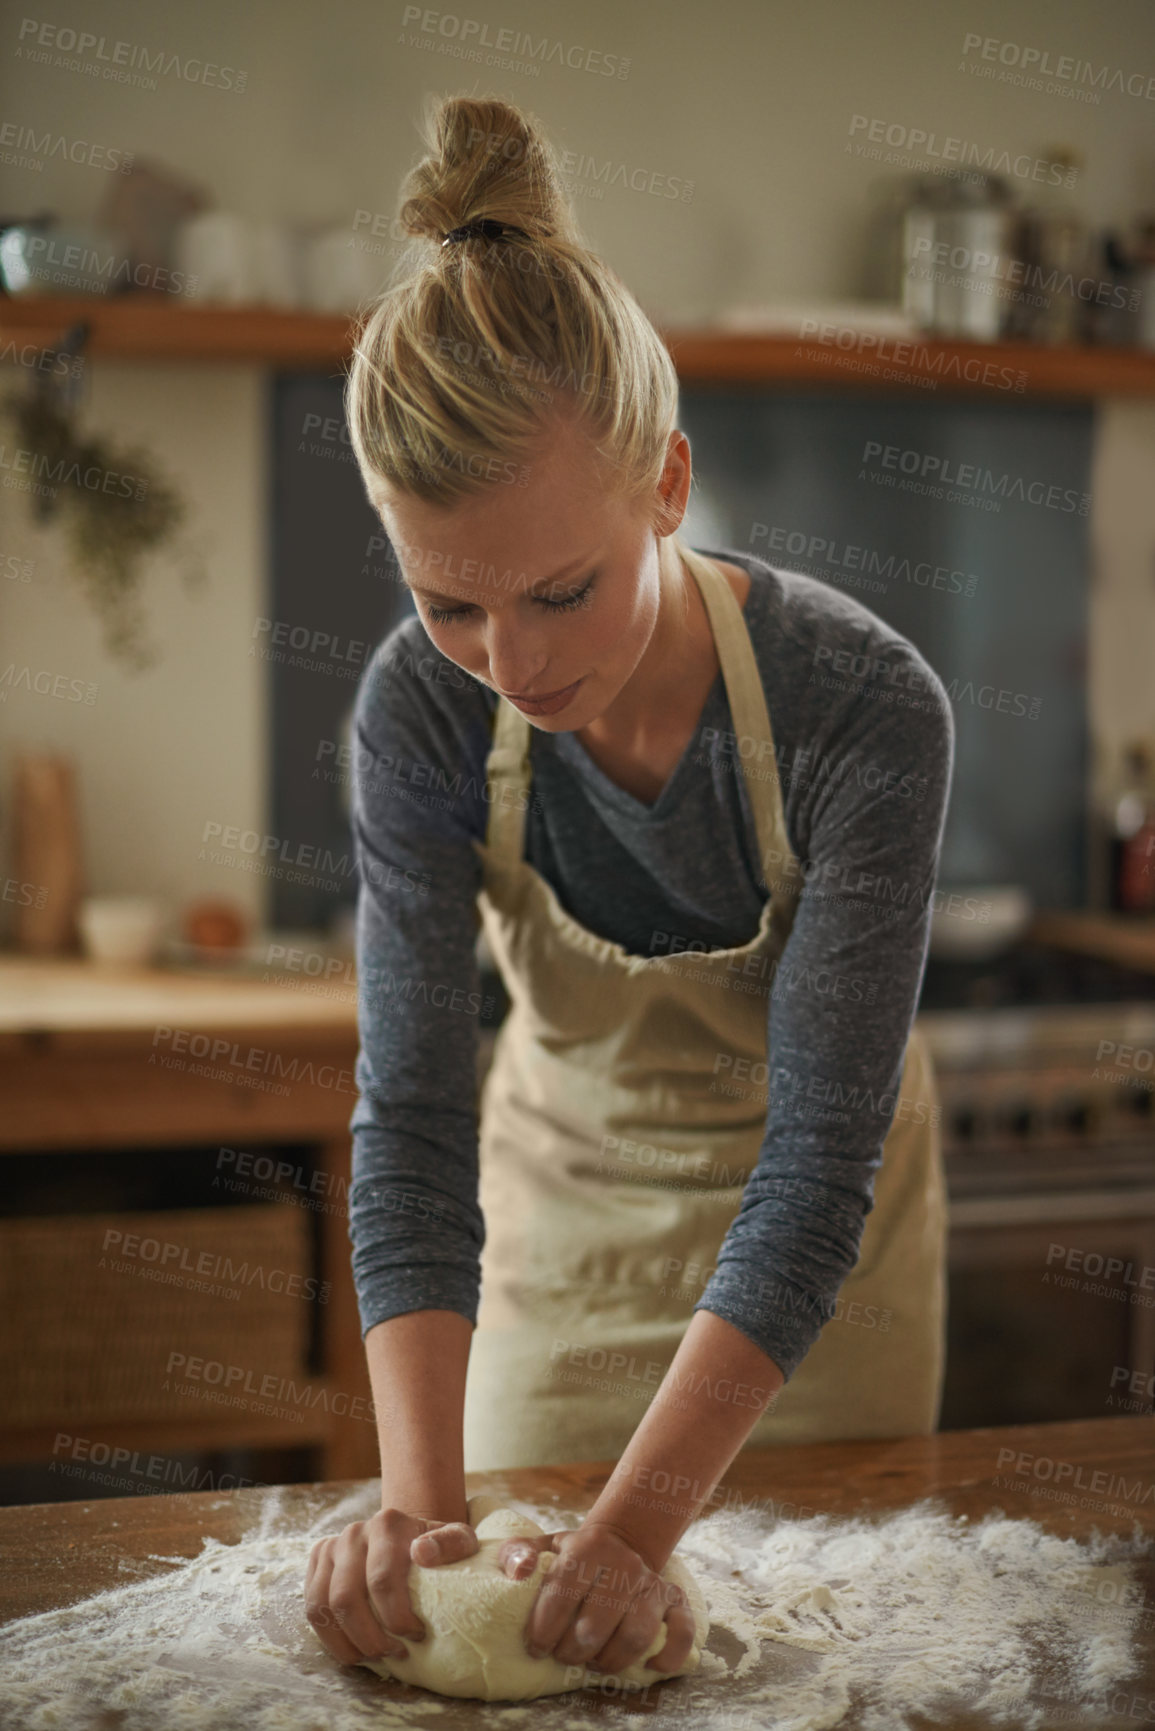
column 547, row 705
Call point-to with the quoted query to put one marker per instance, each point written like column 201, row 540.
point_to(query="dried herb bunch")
column 115, row 508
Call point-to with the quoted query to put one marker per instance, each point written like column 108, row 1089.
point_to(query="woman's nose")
column 516, row 662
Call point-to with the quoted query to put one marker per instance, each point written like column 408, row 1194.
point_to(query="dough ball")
column 475, row 1617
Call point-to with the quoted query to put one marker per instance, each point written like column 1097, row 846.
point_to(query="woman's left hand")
column 601, row 1604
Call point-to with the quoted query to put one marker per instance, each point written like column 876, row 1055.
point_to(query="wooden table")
column 55, row 1554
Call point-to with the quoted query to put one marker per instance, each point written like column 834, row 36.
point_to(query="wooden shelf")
column 150, row 328
column 1128, row 941
column 146, row 327
column 998, row 371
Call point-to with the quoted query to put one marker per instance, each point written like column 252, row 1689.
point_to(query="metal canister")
column 958, row 250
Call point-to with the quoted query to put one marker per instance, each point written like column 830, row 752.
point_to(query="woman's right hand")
column 357, row 1584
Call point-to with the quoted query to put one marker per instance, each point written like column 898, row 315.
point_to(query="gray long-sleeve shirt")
column 864, row 738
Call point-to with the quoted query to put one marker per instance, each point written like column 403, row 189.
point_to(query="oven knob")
column 1021, row 1119
column 964, row 1123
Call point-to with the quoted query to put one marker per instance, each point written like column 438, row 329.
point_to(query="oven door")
column 1051, row 1307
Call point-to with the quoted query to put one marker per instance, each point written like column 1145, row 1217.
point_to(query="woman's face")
column 543, row 587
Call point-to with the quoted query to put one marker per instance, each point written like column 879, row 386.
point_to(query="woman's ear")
column 674, row 485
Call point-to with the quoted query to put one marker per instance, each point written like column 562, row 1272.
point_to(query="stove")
column 1048, row 1134
column 1030, row 974
column 1042, row 1102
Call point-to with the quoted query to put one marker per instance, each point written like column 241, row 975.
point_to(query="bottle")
column 1113, row 313
column 1133, row 832
column 1055, row 243
column 1143, row 259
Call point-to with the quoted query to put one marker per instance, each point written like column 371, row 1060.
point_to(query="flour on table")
column 910, row 1618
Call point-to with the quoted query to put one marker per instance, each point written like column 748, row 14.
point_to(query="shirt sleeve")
column 842, row 1001
column 415, row 1222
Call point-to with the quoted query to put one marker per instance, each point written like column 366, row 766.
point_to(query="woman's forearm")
column 714, row 1392
column 417, row 1365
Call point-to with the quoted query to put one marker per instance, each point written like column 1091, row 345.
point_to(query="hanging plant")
column 115, row 508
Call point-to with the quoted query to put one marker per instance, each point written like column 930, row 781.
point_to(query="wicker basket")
column 93, row 1321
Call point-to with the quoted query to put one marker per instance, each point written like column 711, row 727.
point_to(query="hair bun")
column 486, row 159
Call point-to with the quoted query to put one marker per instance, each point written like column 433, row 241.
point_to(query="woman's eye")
column 580, row 598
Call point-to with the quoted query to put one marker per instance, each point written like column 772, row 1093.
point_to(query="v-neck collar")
column 572, row 752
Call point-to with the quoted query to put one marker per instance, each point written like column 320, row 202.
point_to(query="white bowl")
column 121, row 929
column 972, row 924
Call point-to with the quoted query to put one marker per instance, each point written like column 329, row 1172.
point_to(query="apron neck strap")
column 754, row 739
column 507, row 777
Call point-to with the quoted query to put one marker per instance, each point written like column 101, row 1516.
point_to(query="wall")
column 751, row 102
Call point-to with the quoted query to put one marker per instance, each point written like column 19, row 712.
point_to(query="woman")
column 698, row 803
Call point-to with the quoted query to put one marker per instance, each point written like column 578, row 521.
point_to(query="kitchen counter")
column 55, row 1554
column 96, row 1058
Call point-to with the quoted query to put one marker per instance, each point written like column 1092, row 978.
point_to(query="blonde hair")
column 460, row 366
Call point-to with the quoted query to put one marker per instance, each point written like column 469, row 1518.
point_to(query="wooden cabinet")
column 97, row 1059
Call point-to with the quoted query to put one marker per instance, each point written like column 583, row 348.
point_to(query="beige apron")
column 622, row 1114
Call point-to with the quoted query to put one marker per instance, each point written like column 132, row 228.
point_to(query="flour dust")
column 880, row 1622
